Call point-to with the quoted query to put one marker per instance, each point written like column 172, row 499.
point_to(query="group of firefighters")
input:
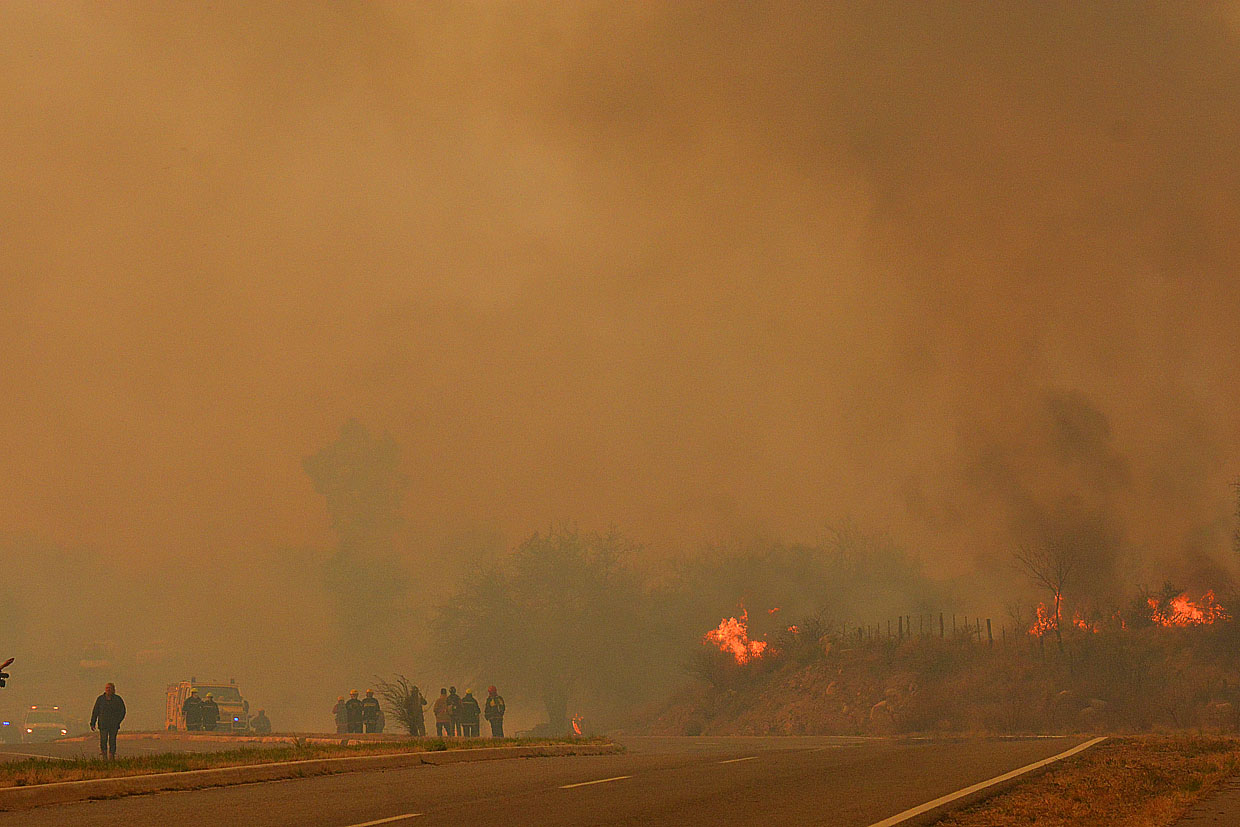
column 204, row 715
column 354, row 715
column 454, row 714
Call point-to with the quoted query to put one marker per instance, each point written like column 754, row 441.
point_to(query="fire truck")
column 234, row 710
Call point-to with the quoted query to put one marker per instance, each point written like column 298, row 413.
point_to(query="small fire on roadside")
column 1181, row 611
column 578, row 721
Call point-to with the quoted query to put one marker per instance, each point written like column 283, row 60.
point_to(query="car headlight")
column 64, row 732
column 28, row 729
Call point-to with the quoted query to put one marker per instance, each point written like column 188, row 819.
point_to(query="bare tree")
column 1048, row 565
column 404, row 702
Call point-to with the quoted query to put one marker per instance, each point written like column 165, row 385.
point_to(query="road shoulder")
column 37, row 795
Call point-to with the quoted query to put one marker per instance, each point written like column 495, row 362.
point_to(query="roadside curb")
column 64, row 792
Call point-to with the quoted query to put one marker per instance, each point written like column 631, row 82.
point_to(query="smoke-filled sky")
column 962, row 271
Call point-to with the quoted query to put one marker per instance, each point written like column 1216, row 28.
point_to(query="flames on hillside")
column 1179, row 611
column 732, row 636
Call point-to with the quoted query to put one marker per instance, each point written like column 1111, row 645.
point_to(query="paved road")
column 660, row 781
column 1220, row 808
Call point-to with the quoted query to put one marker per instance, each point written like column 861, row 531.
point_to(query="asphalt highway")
column 659, row 781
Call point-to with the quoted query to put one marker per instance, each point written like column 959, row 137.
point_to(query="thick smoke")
column 703, row 271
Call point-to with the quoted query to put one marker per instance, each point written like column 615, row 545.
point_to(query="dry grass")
column 1124, row 782
column 43, row 771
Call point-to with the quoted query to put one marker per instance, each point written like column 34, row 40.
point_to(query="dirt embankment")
column 1122, row 681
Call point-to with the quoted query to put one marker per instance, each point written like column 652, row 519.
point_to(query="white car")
column 43, row 723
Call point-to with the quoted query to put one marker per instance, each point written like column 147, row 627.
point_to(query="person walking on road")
column 192, row 710
column 469, row 714
column 108, row 713
column 494, row 712
column 372, row 713
column 210, row 713
column 454, row 706
column 342, row 721
column 443, row 715
column 353, row 712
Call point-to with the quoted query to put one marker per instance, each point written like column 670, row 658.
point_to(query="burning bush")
column 732, row 636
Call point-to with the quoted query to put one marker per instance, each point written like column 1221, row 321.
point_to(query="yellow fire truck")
column 234, row 710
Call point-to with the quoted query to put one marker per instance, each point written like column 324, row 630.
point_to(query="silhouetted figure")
column 260, row 723
column 470, row 712
column 417, row 721
column 372, row 713
column 192, row 710
column 353, row 712
column 108, row 713
column 454, row 706
column 443, row 715
column 338, row 711
column 210, row 713
column 494, row 712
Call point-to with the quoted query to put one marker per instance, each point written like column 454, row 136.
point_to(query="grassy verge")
column 1123, row 782
column 42, row 771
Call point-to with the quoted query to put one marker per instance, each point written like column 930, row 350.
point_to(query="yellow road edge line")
column 386, row 820
column 981, row 785
column 734, row 760
column 586, row 783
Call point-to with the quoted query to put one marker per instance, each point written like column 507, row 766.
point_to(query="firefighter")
column 417, row 723
column 210, row 713
column 469, row 714
column 494, row 712
column 192, row 710
column 260, row 723
column 372, row 713
column 454, row 707
column 443, row 715
column 353, row 712
column 342, row 723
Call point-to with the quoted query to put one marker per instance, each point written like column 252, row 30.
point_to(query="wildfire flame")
column 1083, row 624
column 1047, row 621
column 732, row 636
column 577, row 721
column 1181, row 611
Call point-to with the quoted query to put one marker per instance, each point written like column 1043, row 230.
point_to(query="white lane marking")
column 386, row 820
column 938, row 802
column 36, row 755
column 588, row 783
column 734, row 760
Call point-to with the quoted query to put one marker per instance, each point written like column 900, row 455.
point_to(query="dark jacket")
column 495, row 707
column 370, row 709
column 108, row 712
column 210, row 714
column 470, row 710
column 416, row 702
column 261, row 723
column 192, row 709
column 454, row 706
column 353, row 711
